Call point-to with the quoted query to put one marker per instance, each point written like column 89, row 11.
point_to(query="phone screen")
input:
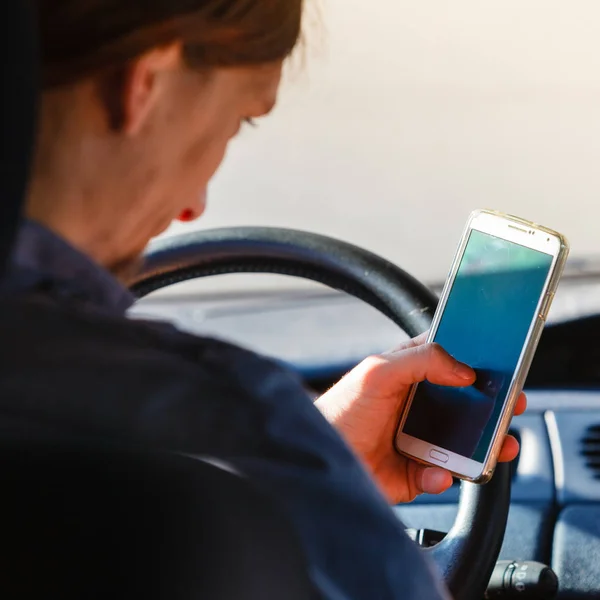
column 489, row 312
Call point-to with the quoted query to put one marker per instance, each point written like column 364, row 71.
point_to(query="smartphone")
column 491, row 316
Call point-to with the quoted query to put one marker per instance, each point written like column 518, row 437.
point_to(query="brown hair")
column 81, row 38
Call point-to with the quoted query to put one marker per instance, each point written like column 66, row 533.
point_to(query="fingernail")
column 464, row 371
column 436, row 481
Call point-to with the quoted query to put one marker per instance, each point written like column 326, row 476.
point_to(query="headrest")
column 19, row 72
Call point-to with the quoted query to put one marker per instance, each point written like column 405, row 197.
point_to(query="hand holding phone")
column 491, row 316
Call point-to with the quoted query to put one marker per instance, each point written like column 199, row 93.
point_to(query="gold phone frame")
column 527, row 234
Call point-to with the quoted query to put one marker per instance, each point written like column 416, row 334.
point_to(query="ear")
column 142, row 85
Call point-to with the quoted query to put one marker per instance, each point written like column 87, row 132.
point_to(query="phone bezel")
column 531, row 236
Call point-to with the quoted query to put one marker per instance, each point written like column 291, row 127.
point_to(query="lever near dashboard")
column 426, row 538
column 510, row 579
column 522, row 580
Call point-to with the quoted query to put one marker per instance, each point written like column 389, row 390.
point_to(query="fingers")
column 433, row 480
column 510, row 450
column 426, row 362
column 420, row 340
column 412, row 343
column 521, row 405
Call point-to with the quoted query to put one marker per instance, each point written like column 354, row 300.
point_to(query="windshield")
column 406, row 118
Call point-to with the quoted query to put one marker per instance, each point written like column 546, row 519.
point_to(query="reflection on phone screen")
column 485, row 324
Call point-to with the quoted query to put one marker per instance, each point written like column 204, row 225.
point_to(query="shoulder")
column 79, row 328
column 156, row 381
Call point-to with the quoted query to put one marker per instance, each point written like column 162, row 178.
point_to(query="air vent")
column 590, row 450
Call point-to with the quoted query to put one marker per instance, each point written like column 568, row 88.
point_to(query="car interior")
column 89, row 521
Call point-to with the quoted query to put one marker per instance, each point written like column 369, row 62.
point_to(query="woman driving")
column 139, row 103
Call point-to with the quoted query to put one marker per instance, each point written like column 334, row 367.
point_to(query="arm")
column 355, row 543
column 247, row 412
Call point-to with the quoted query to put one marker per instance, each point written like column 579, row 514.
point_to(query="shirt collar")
column 42, row 258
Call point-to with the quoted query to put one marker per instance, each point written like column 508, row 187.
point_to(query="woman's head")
column 140, row 100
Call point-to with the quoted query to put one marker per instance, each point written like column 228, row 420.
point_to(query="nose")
column 192, row 213
column 186, row 216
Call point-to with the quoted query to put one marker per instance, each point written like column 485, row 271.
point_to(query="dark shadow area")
column 568, row 356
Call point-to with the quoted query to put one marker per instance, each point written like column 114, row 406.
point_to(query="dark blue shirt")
column 79, row 365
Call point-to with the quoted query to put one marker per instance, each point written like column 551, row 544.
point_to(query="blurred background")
column 403, row 117
column 407, row 115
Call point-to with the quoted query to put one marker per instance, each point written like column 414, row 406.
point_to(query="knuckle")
column 370, row 367
column 372, row 363
column 434, row 351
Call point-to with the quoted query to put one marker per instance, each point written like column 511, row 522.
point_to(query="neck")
column 94, row 189
column 67, row 219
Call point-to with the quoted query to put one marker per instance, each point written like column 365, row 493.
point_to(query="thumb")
column 427, row 362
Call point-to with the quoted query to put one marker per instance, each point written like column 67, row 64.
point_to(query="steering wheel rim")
column 468, row 554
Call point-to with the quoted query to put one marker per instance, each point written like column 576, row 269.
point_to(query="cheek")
column 211, row 125
column 203, row 125
column 204, row 156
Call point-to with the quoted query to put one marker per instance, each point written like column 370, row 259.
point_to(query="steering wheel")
column 468, row 553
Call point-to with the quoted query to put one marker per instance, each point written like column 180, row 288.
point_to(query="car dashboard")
column 555, row 509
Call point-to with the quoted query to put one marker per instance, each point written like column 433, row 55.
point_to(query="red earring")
column 186, row 216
